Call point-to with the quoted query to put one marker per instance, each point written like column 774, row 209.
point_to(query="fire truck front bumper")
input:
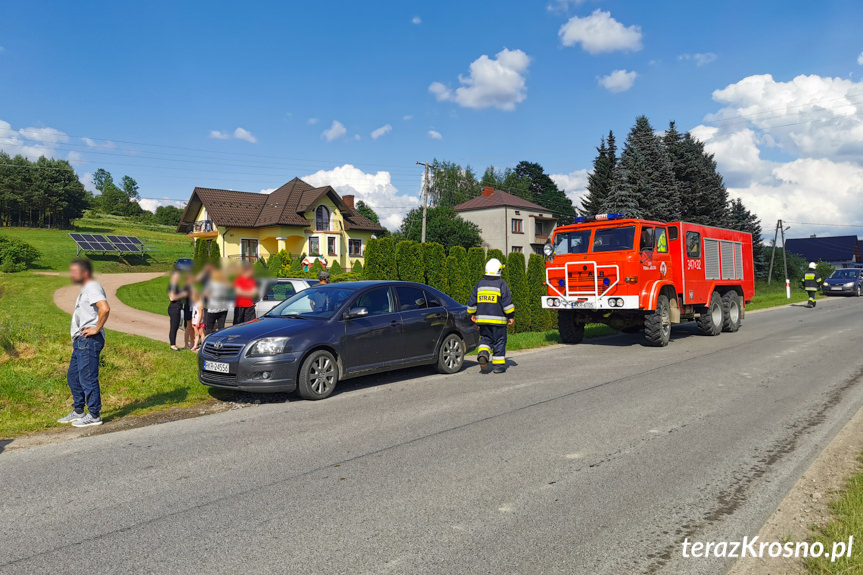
column 610, row 303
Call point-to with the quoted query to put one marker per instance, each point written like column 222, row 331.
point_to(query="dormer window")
column 322, row 218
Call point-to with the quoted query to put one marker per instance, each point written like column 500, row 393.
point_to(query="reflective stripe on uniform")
column 491, row 319
column 471, row 309
column 498, row 359
column 483, row 347
column 489, row 289
column 509, row 309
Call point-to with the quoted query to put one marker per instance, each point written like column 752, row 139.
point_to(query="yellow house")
column 296, row 217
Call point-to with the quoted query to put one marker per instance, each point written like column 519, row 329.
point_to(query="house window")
column 322, row 219
column 518, row 249
column 249, row 250
column 331, row 246
column 314, row 246
column 539, row 231
column 355, row 248
column 517, row 226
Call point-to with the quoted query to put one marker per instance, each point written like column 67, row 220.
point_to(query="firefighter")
column 491, row 308
column 811, row 281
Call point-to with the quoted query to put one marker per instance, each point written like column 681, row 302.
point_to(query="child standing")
column 491, row 308
column 197, row 319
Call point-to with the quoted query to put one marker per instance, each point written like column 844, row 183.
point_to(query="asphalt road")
column 594, row 459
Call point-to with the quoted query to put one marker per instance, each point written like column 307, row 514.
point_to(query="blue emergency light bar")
column 598, row 218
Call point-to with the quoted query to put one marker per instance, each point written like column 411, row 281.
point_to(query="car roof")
column 370, row 283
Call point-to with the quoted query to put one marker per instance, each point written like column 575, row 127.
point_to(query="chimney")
column 487, row 191
column 349, row 200
column 813, row 236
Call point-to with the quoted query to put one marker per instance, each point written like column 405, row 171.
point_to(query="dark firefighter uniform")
column 811, row 281
column 491, row 301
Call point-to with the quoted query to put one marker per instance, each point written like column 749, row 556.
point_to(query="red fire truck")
column 640, row 275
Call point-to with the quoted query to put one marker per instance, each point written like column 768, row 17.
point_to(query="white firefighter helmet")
column 812, row 265
column 493, row 267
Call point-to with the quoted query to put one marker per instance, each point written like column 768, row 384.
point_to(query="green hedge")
column 335, row 269
column 517, row 280
column 357, row 268
column 434, row 258
column 540, row 319
column 409, row 262
column 475, row 264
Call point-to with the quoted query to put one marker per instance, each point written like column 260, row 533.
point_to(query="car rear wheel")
column 657, row 324
column 710, row 322
column 570, row 327
column 450, row 357
column 731, row 312
column 319, row 375
column 859, row 291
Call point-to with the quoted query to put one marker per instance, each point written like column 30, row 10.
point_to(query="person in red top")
column 245, row 291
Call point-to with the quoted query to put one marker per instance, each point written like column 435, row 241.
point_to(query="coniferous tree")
column 741, row 219
column 703, row 197
column 458, row 275
column 215, row 255
column 336, row 269
column 357, row 267
column 601, row 178
column 475, row 265
column 540, row 319
column 434, row 258
column 517, row 281
column 387, row 255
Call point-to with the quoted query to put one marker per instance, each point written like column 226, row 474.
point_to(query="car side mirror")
column 357, row 312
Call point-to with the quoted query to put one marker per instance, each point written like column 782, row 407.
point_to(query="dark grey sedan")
column 847, row 281
column 326, row 334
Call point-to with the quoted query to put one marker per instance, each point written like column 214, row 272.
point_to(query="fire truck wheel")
column 657, row 324
column 570, row 328
column 730, row 312
column 710, row 322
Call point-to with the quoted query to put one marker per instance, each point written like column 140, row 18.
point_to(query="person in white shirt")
column 88, row 339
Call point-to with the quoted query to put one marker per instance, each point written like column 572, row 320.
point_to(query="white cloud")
column 416, row 20
column 860, row 59
column 818, row 122
column 87, row 181
column 563, row 5
column 150, row 204
column 357, row 137
column 618, row 81
column 375, row 189
column 312, row 121
column 573, row 183
column 245, row 135
column 219, row 135
column 599, row 33
column 700, row 58
column 99, row 144
column 335, row 131
column 435, row 135
column 76, row 158
column 267, row 190
column 31, row 142
column 407, row 117
column 382, row 131
column 492, row 83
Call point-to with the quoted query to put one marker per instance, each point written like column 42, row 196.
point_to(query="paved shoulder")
column 123, row 318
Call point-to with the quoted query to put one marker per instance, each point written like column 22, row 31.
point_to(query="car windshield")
column 614, row 239
column 845, row 274
column 571, row 242
column 313, row 303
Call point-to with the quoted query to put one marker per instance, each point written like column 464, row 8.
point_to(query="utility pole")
column 773, row 252
column 782, row 230
column 425, row 198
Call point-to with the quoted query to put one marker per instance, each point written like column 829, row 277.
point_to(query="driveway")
column 598, row 458
column 123, row 318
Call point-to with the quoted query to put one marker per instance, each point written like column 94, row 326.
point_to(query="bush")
column 457, row 274
column 16, row 255
column 317, row 267
column 517, row 281
column 540, row 319
column 475, row 265
column 357, row 267
column 409, row 262
column 215, row 255
column 347, row 277
column 296, row 266
column 380, row 260
column 434, row 259
column 335, row 269
column 274, row 266
column 824, row 270
column 202, row 253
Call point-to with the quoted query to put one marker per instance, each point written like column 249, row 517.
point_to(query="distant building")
column 296, row 217
column 838, row 251
column 508, row 223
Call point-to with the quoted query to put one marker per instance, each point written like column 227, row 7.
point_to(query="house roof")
column 491, row 198
column 828, row 249
column 283, row 206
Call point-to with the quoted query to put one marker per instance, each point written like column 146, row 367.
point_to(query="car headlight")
column 548, row 250
column 826, row 284
column 268, row 346
column 849, row 284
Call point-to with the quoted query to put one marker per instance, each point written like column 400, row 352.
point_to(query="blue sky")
column 179, row 94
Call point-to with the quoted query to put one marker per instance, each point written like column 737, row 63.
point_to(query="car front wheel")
column 319, row 375
column 451, row 354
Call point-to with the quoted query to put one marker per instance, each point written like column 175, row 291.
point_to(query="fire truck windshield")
column 571, row 242
column 614, row 239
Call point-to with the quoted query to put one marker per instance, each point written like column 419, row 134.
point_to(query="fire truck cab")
column 642, row 275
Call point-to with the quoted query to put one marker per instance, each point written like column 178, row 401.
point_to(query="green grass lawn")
column 847, row 521
column 57, row 248
column 151, row 295
column 774, row 295
column 138, row 375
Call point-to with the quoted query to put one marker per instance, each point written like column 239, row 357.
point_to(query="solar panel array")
column 99, row 243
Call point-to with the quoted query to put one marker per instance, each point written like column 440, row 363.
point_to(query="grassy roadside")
column 847, row 521
column 773, row 295
column 57, row 248
column 138, row 375
column 151, row 295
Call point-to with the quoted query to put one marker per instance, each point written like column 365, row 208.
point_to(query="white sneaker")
column 87, row 421
column 74, row 416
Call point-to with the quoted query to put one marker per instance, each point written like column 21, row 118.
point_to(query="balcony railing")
column 244, row 258
column 203, row 227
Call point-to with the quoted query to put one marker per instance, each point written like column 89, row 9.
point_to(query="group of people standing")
column 200, row 303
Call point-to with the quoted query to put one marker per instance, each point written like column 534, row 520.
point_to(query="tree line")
column 667, row 177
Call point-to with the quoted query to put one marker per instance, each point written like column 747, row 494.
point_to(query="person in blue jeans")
column 88, row 339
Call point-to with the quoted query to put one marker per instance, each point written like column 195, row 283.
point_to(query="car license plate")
column 836, row 289
column 582, row 304
column 216, row 366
